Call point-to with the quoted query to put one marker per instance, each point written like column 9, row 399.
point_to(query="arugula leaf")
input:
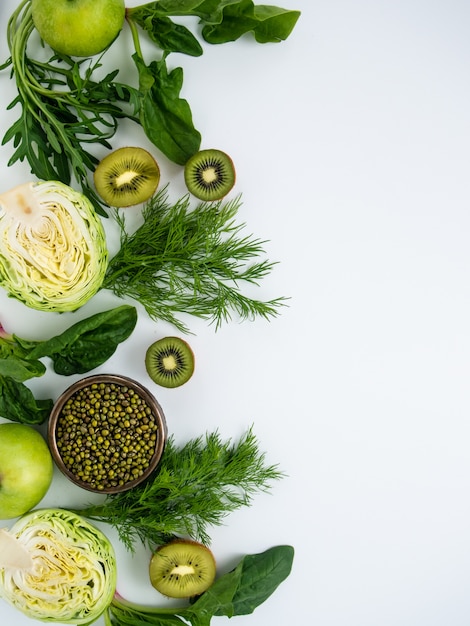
column 88, row 343
column 165, row 117
column 18, row 404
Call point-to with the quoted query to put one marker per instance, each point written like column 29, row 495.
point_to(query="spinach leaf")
column 254, row 579
column 226, row 20
column 18, row 404
column 168, row 36
column 269, row 24
column 14, row 358
column 21, row 369
column 88, row 343
column 165, row 117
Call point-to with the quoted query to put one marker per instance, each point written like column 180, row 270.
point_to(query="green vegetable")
column 57, row 567
column 238, row 592
column 18, row 404
column 193, row 261
column 82, row 347
column 15, row 361
column 88, row 343
column 195, row 486
column 53, row 251
column 65, row 108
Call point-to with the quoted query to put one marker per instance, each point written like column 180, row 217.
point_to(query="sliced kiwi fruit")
column 169, row 362
column 209, row 174
column 182, row 569
column 127, row 176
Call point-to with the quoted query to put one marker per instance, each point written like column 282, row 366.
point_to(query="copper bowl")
column 98, row 439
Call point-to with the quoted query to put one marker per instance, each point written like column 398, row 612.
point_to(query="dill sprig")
column 196, row 486
column 183, row 260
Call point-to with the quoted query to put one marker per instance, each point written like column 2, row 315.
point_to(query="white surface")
column 351, row 145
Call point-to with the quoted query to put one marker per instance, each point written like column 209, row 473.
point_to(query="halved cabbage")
column 72, row 576
column 53, row 253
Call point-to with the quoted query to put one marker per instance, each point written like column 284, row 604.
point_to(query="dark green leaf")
column 258, row 575
column 18, row 404
column 242, row 590
column 21, row 369
column 165, row 117
column 268, row 23
column 88, row 343
column 168, row 36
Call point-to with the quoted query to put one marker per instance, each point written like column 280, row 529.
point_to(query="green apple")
column 26, row 469
column 79, row 28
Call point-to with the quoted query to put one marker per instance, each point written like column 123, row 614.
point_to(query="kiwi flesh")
column 170, row 362
column 209, row 174
column 182, row 568
column 126, row 177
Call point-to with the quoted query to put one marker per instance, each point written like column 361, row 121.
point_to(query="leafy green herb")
column 195, row 486
column 189, row 261
column 65, row 108
column 89, row 342
column 18, row 404
column 223, row 20
column 166, row 118
column 15, row 361
column 239, row 592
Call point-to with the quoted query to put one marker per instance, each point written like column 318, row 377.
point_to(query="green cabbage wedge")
column 53, row 253
column 64, row 571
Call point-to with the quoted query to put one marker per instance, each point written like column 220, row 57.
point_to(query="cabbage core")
column 53, row 252
column 72, row 578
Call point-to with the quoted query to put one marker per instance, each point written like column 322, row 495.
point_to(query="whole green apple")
column 26, row 469
column 79, row 28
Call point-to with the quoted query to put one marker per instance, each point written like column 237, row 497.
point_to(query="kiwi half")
column 127, row 176
column 182, row 569
column 209, row 174
column 169, row 362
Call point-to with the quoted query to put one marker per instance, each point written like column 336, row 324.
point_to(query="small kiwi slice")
column 127, row 176
column 169, row 362
column 209, row 174
column 182, row 568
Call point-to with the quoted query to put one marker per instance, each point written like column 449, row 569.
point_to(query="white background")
column 351, row 142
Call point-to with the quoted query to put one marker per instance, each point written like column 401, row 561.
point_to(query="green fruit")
column 209, row 174
column 26, row 469
column 182, row 569
column 126, row 177
column 80, row 28
column 170, row 362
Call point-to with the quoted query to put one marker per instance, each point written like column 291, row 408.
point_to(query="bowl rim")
column 162, row 430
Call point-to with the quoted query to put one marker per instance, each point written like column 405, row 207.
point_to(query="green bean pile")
column 106, row 435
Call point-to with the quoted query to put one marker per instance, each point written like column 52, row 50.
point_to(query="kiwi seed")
column 169, row 362
column 209, row 174
column 127, row 176
column 182, row 568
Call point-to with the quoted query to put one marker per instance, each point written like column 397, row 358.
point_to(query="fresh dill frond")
column 196, row 486
column 183, row 260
